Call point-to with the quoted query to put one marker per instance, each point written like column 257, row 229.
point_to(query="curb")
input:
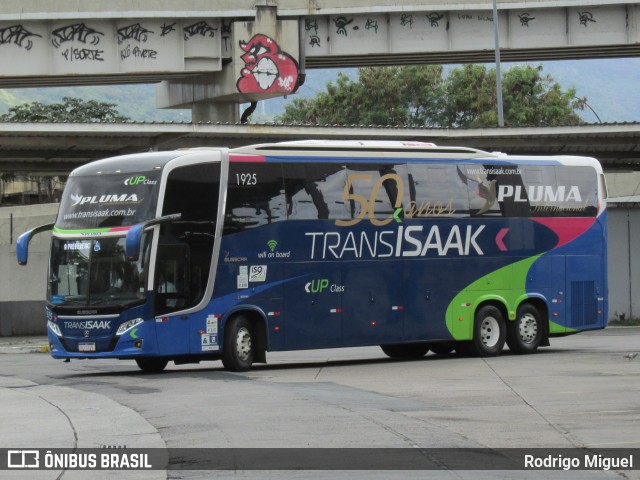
column 29, row 348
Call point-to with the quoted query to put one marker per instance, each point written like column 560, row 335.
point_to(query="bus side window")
column 315, row 191
column 437, row 190
column 577, row 191
column 255, row 196
column 381, row 186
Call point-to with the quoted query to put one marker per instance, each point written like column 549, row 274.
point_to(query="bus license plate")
column 87, row 347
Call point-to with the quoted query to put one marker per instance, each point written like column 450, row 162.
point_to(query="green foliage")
column 70, row 110
column 420, row 96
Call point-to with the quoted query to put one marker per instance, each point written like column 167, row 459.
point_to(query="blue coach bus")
column 207, row 254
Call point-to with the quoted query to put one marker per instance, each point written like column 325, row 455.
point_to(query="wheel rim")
column 490, row 332
column 243, row 344
column 528, row 328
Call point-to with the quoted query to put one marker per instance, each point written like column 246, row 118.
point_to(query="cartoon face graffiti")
column 267, row 69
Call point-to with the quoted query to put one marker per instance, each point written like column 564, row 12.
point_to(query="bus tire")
column 489, row 332
column 525, row 333
column 239, row 344
column 152, row 365
column 406, row 350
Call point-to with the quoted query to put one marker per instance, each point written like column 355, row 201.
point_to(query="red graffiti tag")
column 267, row 68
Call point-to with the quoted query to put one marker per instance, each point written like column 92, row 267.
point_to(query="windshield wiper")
column 73, row 301
column 118, row 302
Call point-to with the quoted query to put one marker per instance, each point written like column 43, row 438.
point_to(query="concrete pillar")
column 215, row 112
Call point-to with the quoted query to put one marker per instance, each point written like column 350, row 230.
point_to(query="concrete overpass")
column 57, row 148
column 212, row 54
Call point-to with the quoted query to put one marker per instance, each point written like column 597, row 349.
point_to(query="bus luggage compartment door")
column 373, row 302
column 313, row 306
column 584, row 292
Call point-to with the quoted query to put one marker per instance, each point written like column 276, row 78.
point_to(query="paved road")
column 581, row 392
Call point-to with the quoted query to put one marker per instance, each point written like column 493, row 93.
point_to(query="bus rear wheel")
column 152, row 365
column 239, row 345
column 406, row 350
column 489, row 332
column 524, row 334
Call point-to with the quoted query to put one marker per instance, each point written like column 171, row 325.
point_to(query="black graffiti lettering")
column 167, row 28
column 133, row 32
column 525, row 18
column 17, row 35
column 145, row 53
column 435, row 17
column 138, row 52
column 125, row 52
column 201, row 28
column 76, row 54
column 314, row 41
column 406, row 19
column 371, row 25
column 311, row 24
column 341, row 25
column 586, row 17
column 78, row 32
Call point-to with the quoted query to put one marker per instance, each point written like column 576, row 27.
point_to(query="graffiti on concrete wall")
column 67, row 39
column 18, row 35
column 267, row 68
column 586, row 18
column 92, row 47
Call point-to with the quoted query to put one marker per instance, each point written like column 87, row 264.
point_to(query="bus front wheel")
column 489, row 332
column 525, row 332
column 239, row 345
column 151, row 365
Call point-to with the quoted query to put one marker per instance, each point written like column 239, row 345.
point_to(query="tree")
column 419, row 96
column 529, row 98
column 70, row 110
column 388, row 96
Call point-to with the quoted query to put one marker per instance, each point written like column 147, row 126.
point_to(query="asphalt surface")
column 66, row 418
column 73, row 418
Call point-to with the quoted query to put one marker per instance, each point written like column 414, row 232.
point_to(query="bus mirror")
column 134, row 235
column 22, row 244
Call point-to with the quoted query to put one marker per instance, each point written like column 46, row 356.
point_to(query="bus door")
column 171, row 291
column 184, row 254
column 314, row 306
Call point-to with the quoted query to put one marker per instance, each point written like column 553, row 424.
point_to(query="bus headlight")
column 54, row 328
column 128, row 325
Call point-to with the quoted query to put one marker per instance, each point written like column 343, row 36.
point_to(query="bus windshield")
column 95, row 272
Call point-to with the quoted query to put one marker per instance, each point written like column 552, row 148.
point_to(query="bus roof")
column 399, row 149
column 361, row 146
